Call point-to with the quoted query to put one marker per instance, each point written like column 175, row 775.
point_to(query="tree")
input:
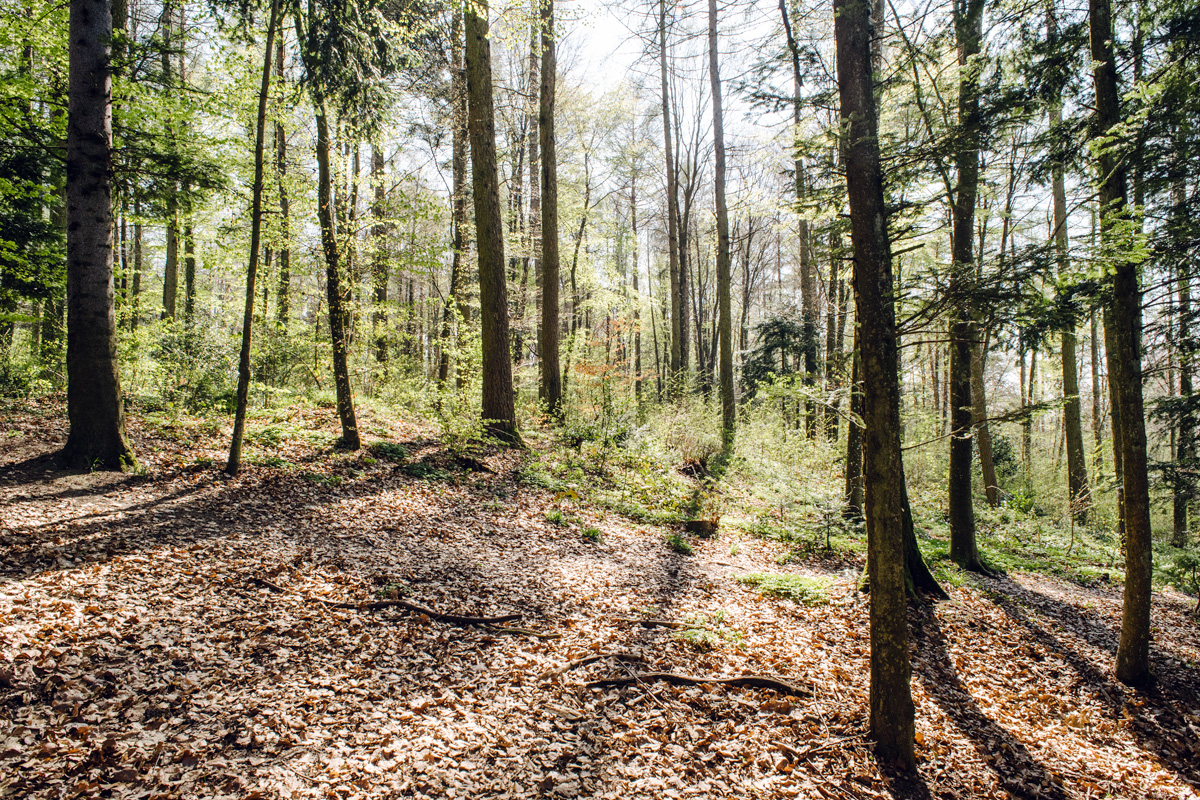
column 724, row 301
column 678, row 336
column 1123, row 322
column 968, row 30
column 499, row 409
column 551, row 385
column 243, row 390
column 892, row 711
column 94, row 405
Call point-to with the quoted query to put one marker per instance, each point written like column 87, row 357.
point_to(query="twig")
column 754, row 681
column 800, row 755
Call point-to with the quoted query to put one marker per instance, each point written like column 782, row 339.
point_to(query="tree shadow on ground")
column 1014, row 766
column 1156, row 713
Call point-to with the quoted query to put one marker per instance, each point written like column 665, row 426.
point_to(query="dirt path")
column 146, row 650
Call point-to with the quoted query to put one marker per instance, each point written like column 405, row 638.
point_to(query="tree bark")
column 551, row 386
column 283, row 291
column 243, row 390
column 892, row 710
column 498, row 405
column 1185, row 451
column 379, row 261
column 968, row 29
column 94, row 405
column 724, row 287
column 674, row 378
column 1123, row 318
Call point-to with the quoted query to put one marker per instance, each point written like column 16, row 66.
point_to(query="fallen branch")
column 438, row 616
column 800, row 755
column 753, row 681
column 592, row 659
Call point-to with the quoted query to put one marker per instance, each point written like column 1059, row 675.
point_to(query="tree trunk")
column 551, row 386
column 983, row 433
column 674, row 378
column 379, row 261
column 1185, row 451
column 968, row 28
column 94, row 405
column 892, row 711
column 499, row 408
column 854, row 439
column 458, row 202
column 243, row 390
column 1123, row 316
column 724, row 288
column 334, row 293
column 1078, row 493
column 283, row 292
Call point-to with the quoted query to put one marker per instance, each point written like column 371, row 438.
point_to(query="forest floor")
column 171, row 634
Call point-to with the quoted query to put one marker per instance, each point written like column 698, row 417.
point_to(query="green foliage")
column 191, row 368
column 1183, row 572
column 389, row 451
column 679, row 544
column 704, row 633
column 555, row 516
column 798, row 588
column 593, row 535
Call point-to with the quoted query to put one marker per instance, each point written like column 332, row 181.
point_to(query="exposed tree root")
column 752, row 681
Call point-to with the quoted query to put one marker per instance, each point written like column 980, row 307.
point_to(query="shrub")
column 797, row 588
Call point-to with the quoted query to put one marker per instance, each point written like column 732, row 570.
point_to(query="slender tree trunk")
column 1123, row 317
column 1185, row 451
column 1078, row 493
column 458, row 203
column 675, row 372
column 832, row 351
column 854, row 438
column 189, row 271
column 94, row 405
column 1097, row 417
column 379, row 261
column 983, row 432
column 171, row 264
column 243, row 390
column 135, row 305
column 551, row 386
column 808, row 277
column 637, row 296
column 892, row 710
column 499, row 408
column 968, row 28
column 284, row 290
column 724, row 282
column 334, row 293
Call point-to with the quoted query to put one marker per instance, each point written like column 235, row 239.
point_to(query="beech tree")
column 499, row 409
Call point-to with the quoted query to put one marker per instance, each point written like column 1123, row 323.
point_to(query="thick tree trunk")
column 94, row 405
column 1123, row 318
column 499, row 408
column 551, row 386
column 243, row 390
column 724, row 288
column 968, row 28
column 892, row 710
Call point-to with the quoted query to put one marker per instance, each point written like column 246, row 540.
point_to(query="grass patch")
column 709, row 633
column 797, row 588
column 593, row 535
column 389, row 451
column 679, row 544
